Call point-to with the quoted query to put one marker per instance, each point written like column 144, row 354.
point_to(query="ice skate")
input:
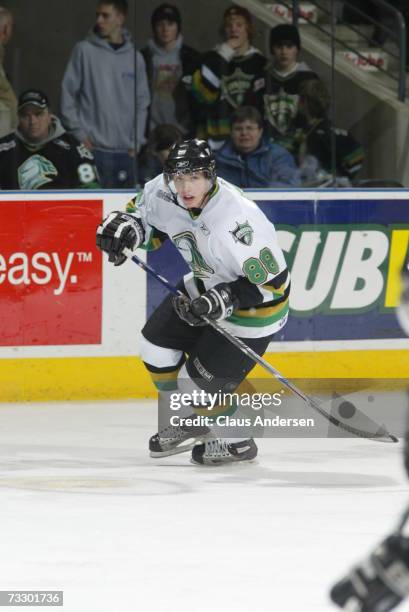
column 217, row 451
column 173, row 440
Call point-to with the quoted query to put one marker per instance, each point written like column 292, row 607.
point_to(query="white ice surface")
column 85, row 510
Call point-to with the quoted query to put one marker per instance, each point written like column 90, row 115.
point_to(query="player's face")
column 109, row 22
column 285, row 55
column 34, row 122
column 166, row 32
column 246, row 135
column 192, row 188
column 236, row 32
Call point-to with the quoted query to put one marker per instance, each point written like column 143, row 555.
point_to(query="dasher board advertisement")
column 344, row 256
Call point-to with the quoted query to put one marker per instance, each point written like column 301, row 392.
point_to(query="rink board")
column 70, row 321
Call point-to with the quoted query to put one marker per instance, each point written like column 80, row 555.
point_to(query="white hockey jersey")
column 231, row 241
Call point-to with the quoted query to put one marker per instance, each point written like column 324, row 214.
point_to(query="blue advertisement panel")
column 344, row 256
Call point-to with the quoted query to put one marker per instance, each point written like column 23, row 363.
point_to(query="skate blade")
column 183, row 448
column 225, row 463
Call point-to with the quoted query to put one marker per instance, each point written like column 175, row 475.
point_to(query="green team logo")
column 243, row 233
column 35, row 172
column 186, row 244
column 235, row 87
column 281, row 109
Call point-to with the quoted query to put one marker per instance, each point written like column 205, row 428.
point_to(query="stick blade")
column 353, row 420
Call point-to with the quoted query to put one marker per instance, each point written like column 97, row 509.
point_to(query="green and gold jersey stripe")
column 259, row 317
column 280, row 292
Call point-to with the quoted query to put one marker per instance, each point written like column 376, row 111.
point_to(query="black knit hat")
column 166, row 12
column 285, row 33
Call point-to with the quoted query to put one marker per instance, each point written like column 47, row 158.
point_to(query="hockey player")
column 238, row 277
column 381, row 582
column 40, row 154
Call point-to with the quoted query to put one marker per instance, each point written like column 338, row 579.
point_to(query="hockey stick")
column 381, row 435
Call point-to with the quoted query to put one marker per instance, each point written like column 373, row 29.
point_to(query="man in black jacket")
column 40, row 154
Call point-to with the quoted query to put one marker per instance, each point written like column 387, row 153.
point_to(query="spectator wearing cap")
column 40, row 154
column 170, row 65
column 160, row 142
column 8, row 100
column 230, row 76
column 250, row 159
column 100, row 100
column 283, row 81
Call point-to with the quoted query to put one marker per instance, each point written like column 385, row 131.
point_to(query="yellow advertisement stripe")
column 126, row 377
column 74, row 379
column 398, row 250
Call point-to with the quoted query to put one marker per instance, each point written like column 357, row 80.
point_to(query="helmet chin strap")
column 175, row 198
column 206, row 197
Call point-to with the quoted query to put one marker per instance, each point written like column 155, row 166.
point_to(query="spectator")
column 250, row 159
column 312, row 144
column 170, row 65
column 40, row 154
column 8, row 100
column 231, row 75
column 283, row 81
column 98, row 95
column 161, row 140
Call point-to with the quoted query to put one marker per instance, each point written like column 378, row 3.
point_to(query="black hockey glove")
column 380, row 583
column 217, row 303
column 117, row 231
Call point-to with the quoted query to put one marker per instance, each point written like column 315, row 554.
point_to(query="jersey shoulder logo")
column 60, row 142
column 35, row 172
column 243, row 233
column 163, row 195
column 187, row 245
column 84, row 152
column 6, row 146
